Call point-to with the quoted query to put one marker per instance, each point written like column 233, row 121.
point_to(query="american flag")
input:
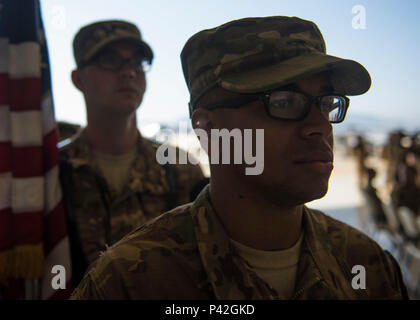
column 33, row 234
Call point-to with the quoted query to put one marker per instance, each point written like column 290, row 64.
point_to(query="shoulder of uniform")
column 178, row 218
column 186, row 171
column 156, row 145
column 64, row 146
column 357, row 249
column 354, row 246
column 171, row 230
column 146, row 256
column 341, row 234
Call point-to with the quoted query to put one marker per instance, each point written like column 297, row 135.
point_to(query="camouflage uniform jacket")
column 103, row 218
column 186, row 254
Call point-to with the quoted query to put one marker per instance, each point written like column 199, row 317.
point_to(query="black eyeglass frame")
column 239, row 101
column 95, row 60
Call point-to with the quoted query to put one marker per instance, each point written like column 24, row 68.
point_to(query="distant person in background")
column 251, row 236
column 416, row 151
column 361, row 154
column 406, row 192
column 374, row 202
column 112, row 182
column 392, row 153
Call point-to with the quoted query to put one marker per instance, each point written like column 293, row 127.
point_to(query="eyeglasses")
column 113, row 62
column 292, row 105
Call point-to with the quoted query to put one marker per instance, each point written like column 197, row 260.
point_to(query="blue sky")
column 388, row 47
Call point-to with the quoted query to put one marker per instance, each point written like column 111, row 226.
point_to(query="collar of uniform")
column 80, row 150
column 229, row 274
column 145, row 175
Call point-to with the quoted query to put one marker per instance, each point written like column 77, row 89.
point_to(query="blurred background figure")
column 392, row 152
column 389, row 212
column 406, row 192
column 361, row 153
column 373, row 201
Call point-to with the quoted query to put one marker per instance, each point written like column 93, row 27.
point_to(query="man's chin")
column 124, row 108
column 315, row 191
column 298, row 195
column 316, row 195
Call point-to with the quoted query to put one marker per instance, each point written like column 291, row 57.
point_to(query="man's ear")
column 202, row 125
column 201, row 119
column 77, row 79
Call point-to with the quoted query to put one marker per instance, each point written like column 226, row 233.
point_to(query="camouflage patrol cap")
column 94, row 37
column 258, row 54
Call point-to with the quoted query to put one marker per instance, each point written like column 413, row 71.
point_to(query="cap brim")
column 348, row 77
column 101, row 45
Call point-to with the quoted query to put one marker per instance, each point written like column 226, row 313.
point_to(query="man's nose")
column 316, row 124
column 128, row 69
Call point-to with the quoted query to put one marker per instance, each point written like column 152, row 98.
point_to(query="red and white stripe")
column 31, row 207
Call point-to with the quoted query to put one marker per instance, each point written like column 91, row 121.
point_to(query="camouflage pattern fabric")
column 103, row 218
column 186, row 254
column 258, row 54
column 92, row 38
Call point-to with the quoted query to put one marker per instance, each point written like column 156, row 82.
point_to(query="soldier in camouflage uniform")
column 111, row 179
column 251, row 236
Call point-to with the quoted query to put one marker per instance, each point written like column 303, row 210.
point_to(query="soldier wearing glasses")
column 112, row 182
column 251, row 236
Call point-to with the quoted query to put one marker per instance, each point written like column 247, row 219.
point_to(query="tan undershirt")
column 115, row 169
column 277, row 268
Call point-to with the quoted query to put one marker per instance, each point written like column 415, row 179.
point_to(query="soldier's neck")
column 112, row 135
column 252, row 220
